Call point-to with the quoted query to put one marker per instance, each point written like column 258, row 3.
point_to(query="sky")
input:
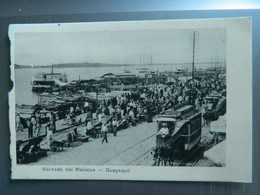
column 119, row 47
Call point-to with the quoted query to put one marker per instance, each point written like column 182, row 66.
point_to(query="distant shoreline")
column 97, row 65
column 16, row 66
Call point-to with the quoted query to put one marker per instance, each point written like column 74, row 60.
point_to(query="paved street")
column 132, row 146
column 129, row 147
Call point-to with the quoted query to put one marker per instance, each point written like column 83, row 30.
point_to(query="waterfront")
column 138, row 134
column 186, row 99
column 23, row 77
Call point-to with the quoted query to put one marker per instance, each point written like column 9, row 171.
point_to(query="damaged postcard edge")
column 11, row 101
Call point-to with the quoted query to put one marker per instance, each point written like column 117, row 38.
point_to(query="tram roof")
column 212, row 97
column 166, row 119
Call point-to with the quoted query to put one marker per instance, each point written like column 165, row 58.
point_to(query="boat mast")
column 211, row 64
column 151, row 60
column 143, row 60
column 52, row 68
column 215, row 62
column 140, row 61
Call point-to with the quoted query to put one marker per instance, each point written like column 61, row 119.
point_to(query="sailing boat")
column 126, row 70
column 142, row 69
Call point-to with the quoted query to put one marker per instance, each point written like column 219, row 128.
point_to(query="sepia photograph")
column 106, row 97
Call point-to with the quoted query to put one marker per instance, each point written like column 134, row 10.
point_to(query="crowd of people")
column 134, row 107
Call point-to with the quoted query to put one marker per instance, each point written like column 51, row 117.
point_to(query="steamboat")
column 44, row 81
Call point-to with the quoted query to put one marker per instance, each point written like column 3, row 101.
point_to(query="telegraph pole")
column 193, row 57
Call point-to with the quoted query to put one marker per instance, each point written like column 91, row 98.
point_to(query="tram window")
column 195, row 136
column 194, row 126
column 171, row 125
column 198, row 123
column 191, row 126
column 186, row 130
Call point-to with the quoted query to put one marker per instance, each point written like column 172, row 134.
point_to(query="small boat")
column 143, row 70
column 179, row 71
column 126, row 70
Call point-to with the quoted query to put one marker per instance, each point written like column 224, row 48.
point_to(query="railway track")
column 192, row 159
column 133, row 149
column 139, row 157
column 139, row 151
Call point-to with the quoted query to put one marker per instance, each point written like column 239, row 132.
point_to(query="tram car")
column 179, row 132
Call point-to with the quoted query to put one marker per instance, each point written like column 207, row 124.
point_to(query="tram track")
column 195, row 156
column 137, row 158
column 130, row 148
column 192, row 159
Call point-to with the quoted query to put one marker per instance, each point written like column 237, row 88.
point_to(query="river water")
column 23, row 77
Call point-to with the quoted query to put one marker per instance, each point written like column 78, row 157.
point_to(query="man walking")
column 104, row 130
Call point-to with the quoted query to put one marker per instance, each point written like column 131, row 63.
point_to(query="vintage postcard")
column 167, row 100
